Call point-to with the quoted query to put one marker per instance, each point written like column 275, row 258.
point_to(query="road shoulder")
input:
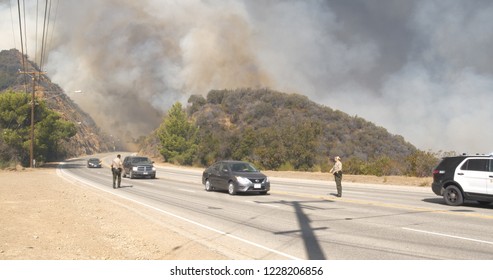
column 45, row 217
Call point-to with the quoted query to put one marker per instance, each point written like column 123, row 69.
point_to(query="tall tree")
column 178, row 137
column 15, row 127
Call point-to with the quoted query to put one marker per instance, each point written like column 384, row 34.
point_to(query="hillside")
column 340, row 133
column 89, row 139
column 276, row 131
column 279, row 131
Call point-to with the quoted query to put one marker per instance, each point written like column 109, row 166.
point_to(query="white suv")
column 464, row 178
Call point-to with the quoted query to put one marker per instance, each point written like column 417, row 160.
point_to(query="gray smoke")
column 421, row 69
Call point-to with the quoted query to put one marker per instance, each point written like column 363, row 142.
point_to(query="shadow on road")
column 472, row 204
column 312, row 246
column 126, row 186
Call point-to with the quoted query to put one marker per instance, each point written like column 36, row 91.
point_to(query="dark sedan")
column 235, row 176
column 94, row 163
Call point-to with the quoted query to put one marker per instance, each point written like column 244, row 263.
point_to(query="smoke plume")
column 421, row 69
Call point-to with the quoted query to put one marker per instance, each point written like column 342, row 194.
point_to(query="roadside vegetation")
column 15, row 131
column 283, row 132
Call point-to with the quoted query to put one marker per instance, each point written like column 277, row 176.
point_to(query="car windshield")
column 93, row 160
column 243, row 167
column 141, row 160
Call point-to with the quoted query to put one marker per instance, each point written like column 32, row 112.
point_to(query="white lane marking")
column 450, row 236
column 147, row 183
column 260, row 203
column 60, row 173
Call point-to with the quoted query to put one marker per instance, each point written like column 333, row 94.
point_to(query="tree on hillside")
column 270, row 152
column 421, row 163
column 302, row 143
column 195, row 102
column 178, row 137
column 281, row 131
column 50, row 131
column 15, row 128
column 244, row 144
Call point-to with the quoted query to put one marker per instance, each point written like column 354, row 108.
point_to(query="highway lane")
column 300, row 219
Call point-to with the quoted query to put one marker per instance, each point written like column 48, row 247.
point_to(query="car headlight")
column 135, row 168
column 267, row 179
column 153, row 168
column 243, row 181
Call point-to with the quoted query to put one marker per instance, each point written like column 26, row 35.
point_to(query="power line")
column 36, row 38
column 12, row 20
column 22, row 45
column 25, row 24
column 34, row 75
column 53, row 25
column 45, row 30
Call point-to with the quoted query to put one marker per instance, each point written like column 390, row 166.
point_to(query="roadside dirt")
column 44, row 217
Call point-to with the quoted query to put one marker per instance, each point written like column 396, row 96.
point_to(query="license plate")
column 145, row 173
column 257, row 186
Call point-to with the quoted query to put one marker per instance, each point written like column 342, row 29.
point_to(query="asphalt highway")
column 302, row 219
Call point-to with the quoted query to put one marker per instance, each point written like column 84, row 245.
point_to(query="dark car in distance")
column 94, row 163
column 234, row 177
column 138, row 166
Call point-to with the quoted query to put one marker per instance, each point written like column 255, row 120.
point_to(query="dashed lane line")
column 449, row 236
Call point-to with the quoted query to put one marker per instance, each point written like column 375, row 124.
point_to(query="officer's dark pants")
column 338, row 179
column 117, row 174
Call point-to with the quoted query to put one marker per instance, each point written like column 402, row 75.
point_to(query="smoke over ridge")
column 422, row 69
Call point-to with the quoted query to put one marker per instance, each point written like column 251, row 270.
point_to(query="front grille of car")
column 256, row 181
column 144, row 168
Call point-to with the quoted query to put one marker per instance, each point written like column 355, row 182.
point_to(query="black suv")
column 464, row 177
column 136, row 166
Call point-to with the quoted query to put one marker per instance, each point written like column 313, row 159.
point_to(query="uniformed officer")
column 116, row 169
column 337, row 171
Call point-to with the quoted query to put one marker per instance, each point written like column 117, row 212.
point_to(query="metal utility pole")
column 31, row 157
column 31, row 152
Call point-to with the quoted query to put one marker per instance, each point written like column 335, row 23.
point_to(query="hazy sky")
column 421, row 69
